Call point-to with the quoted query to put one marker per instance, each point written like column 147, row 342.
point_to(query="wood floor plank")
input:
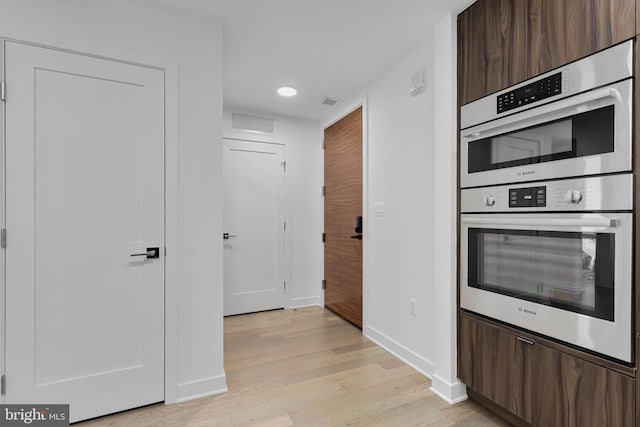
column 308, row 367
column 391, row 363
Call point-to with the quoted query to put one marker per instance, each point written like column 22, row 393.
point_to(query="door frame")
column 361, row 102
column 170, row 71
column 270, row 140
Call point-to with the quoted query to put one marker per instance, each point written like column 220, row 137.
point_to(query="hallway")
column 308, row 367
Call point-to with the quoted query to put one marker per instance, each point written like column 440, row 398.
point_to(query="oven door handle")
column 544, row 222
column 507, row 124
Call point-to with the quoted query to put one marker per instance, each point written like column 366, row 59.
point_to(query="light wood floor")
column 307, row 367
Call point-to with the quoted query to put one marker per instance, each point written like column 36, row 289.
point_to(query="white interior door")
column 254, row 220
column 84, row 191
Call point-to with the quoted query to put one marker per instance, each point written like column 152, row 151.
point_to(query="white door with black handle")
column 254, row 224
column 85, row 227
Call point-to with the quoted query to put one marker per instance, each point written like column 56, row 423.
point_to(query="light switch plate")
column 378, row 209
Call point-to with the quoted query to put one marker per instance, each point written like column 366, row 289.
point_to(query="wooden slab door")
column 343, row 217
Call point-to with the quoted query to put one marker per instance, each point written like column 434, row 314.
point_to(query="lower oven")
column 554, row 258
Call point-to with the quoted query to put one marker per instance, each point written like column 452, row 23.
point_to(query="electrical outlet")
column 412, row 306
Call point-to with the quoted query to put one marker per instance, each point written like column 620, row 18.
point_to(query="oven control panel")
column 533, row 92
column 528, row 197
column 598, row 193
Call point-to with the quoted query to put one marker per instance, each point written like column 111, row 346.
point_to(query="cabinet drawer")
column 541, row 385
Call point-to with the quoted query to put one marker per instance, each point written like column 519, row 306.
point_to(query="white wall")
column 444, row 380
column 303, row 141
column 192, row 48
column 400, row 243
column 412, row 248
column 399, row 252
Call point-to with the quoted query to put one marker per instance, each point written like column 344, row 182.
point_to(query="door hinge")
column 285, row 285
column 165, row 251
column 285, row 226
column 3, row 238
column 324, row 284
column 284, row 165
column 324, row 191
column 3, row 385
column 324, row 237
column 324, row 143
column 3, row 91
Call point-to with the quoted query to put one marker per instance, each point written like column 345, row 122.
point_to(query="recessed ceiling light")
column 287, row 91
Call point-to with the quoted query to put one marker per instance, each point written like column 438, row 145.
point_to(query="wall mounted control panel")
column 598, row 193
column 531, row 93
column 528, row 197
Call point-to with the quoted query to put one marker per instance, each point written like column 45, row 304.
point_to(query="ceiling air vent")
column 250, row 123
column 330, row 101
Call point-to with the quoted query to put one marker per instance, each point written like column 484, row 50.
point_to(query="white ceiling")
column 321, row 47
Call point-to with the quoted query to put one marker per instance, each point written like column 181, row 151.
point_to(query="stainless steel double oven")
column 547, row 204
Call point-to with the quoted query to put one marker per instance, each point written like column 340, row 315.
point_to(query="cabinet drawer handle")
column 526, row 341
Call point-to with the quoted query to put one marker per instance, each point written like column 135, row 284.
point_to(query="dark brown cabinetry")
column 503, row 42
column 541, row 385
column 492, row 46
column 496, row 365
column 563, row 31
column 531, row 380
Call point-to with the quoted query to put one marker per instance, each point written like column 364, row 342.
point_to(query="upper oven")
column 573, row 121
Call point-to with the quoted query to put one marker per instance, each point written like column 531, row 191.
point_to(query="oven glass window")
column 581, row 135
column 570, row 271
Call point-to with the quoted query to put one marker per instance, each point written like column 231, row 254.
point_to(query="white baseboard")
column 450, row 393
column 304, row 302
column 202, row 388
column 408, row 356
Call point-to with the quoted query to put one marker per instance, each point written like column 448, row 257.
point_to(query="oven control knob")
column 490, row 201
column 573, row 196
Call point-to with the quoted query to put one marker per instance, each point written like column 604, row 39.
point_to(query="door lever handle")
column 227, row 236
column 357, row 236
column 151, row 253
